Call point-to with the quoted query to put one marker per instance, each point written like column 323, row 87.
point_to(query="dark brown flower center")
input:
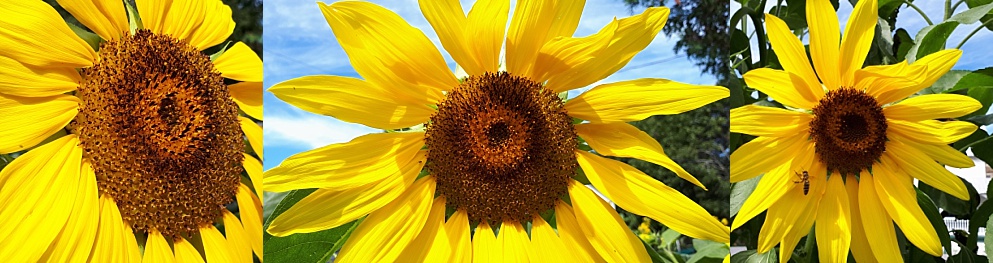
column 849, row 130
column 501, row 147
column 161, row 132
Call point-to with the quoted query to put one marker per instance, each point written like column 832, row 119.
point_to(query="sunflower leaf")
column 316, row 247
column 931, row 211
column 656, row 258
column 740, row 192
column 90, row 38
column 708, row 251
column 752, row 256
column 134, row 22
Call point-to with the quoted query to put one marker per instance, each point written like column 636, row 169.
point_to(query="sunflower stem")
column 966, row 147
column 926, row 18
column 948, row 9
column 980, row 27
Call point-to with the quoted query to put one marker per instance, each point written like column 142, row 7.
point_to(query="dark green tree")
column 698, row 139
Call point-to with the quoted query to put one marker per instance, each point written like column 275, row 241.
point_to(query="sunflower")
column 496, row 170
column 127, row 137
column 845, row 150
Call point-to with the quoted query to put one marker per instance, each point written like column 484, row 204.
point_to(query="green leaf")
column 981, row 120
column 92, row 39
column 988, row 233
column 975, row 3
column 708, row 251
column 902, row 42
column 964, row 256
column 946, row 83
column 935, row 218
column 656, row 258
column 740, row 192
column 752, row 256
column 979, row 219
column 134, row 22
column 669, row 237
column 316, row 247
column 887, row 7
column 932, row 38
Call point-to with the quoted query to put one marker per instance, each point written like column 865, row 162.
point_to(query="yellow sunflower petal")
column 942, row 153
column 254, row 169
column 535, row 23
column 859, row 31
column 605, row 230
column 888, row 89
column 254, row 133
column 484, row 245
column 449, row 23
column 367, row 159
column 513, row 243
column 876, row 222
column 73, row 244
column 383, row 234
column 913, row 74
column 248, row 96
column 310, row 213
column 624, row 140
column 635, row 191
column 459, row 237
column 931, row 131
column 353, row 100
column 251, row 217
column 768, row 121
column 791, row 217
column 861, row 250
column 900, row 201
column 115, row 241
column 791, row 53
column 28, row 121
column 106, row 18
column 185, row 252
column 238, row 242
column 216, row 27
column 388, row 52
column 920, row 166
column 214, row 245
column 784, row 87
column 824, row 39
column 572, row 234
column 633, row 34
column 565, row 55
column 548, row 247
column 774, row 184
column 28, row 183
column 34, row 34
column 932, row 106
column 834, row 226
column 763, row 154
column 938, row 63
column 202, row 24
column 431, row 244
column 240, row 63
column 19, row 79
column 638, row 99
column 157, row 249
column 485, row 26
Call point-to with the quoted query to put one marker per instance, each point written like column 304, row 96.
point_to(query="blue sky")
column 298, row 42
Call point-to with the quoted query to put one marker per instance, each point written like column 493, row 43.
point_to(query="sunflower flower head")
column 496, row 171
column 129, row 133
column 847, row 147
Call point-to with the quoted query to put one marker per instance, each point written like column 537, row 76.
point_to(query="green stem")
column 956, row 6
column 974, row 143
column 911, row 5
column 988, row 21
column 669, row 255
column 948, row 9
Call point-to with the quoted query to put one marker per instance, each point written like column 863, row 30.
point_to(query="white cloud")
column 308, row 130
